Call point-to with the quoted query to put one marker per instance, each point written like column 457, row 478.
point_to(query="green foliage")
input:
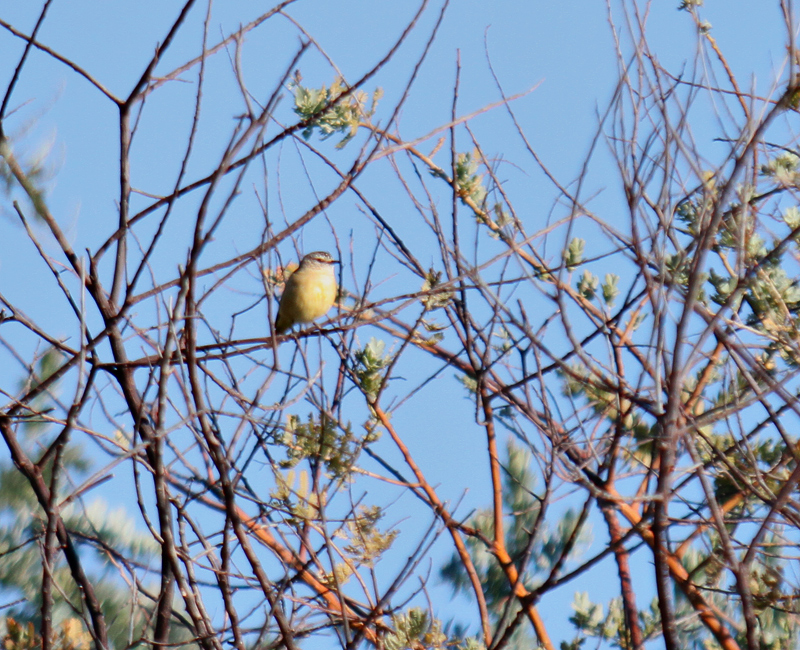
column 774, row 299
column 610, row 289
column 588, row 615
column 367, row 542
column 321, row 441
column 521, row 509
column 777, row 630
column 469, row 382
column 471, row 643
column 587, row 285
column 330, row 112
column 69, row 635
column 782, row 169
column 47, row 364
column 19, row 636
column 778, row 627
column 469, row 183
column 724, row 286
column 414, row 630
column 300, row 503
column 678, row 268
column 370, row 361
column 502, row 218
column 688, row 212
column 606, row 403
column 792, row 217
column 770, row 294
column 573, row 255
column 763, row 455
column 506, row 343
column 735, row 224
column 579, row 383
column 34, row 170
column 591, row 622
column 93, row 525
column 435, row 299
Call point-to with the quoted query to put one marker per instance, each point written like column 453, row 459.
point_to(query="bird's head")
column 317, row 259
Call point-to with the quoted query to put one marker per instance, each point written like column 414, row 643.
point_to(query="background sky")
column 563, row 53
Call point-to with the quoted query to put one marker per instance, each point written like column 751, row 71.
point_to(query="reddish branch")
column 453, row 526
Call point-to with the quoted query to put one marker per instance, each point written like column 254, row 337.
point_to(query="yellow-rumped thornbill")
column 309, row 292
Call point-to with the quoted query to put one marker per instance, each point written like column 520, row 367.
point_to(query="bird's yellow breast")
column 313, row 294
column 309, row 294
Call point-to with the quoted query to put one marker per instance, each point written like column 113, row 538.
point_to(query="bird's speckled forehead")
column 320, row 256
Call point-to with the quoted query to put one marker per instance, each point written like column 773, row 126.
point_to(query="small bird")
column 309, row 292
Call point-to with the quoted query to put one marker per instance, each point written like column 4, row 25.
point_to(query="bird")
column 309, row 292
